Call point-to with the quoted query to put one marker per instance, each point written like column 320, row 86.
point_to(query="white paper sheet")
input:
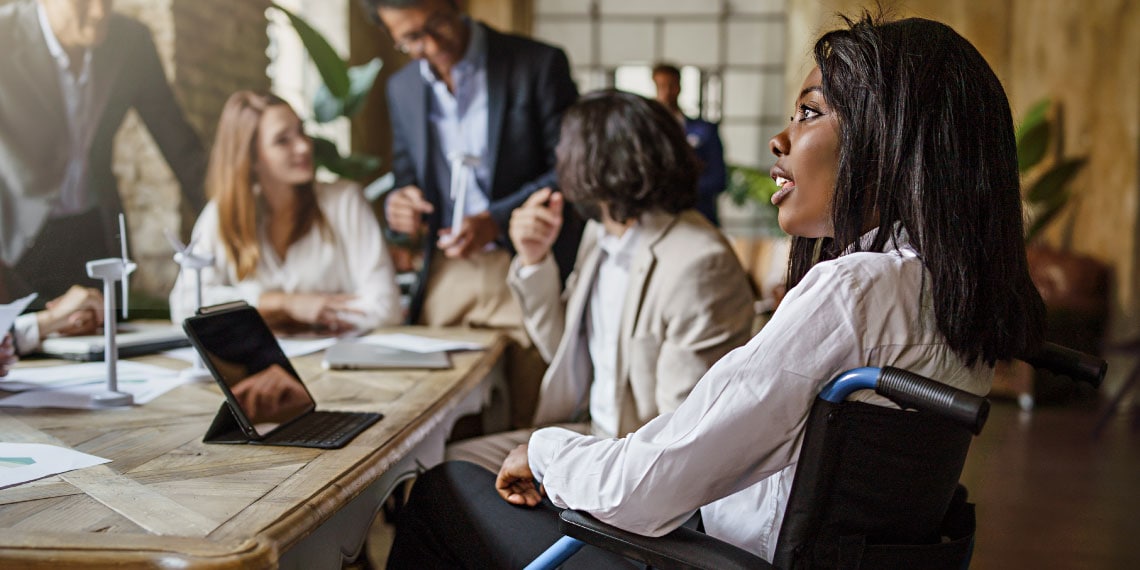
column 292, row 347
column 10, row 311
column 422, row 344
column 70, row 385
column 23, row 462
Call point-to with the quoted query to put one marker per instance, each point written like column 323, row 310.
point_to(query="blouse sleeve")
column 742, row 423
column 370, row 265
column 218, row 285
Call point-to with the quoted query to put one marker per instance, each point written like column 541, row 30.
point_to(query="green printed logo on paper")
column 16, row 461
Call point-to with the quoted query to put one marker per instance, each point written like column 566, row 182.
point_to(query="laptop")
column 357, row 355
column 132, row 339
column 269, row 403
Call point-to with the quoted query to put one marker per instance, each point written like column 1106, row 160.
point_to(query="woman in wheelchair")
column 898, row 179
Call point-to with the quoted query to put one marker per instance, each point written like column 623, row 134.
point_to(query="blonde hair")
column 230, row 181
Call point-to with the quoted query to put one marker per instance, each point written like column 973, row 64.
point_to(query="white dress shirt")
column 731, row 447
column 26, row 333
column 603, row 325
column 349, row 258
column 603, row 322
column 81, row 122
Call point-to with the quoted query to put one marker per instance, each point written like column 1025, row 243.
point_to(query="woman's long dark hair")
column 927, row 144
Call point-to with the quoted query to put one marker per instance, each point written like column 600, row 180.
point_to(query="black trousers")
column 456, row 519
column 58, row 258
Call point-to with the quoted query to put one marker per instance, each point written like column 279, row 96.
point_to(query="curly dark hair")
column 626, row 152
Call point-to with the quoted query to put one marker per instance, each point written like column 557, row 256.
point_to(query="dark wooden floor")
column 1049, row 495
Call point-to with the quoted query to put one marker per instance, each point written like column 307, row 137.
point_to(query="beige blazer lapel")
column 565, row 385
column 653, row 226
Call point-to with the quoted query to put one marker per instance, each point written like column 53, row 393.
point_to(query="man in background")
column 483, row 106
column 69, row 72
column 702, row 135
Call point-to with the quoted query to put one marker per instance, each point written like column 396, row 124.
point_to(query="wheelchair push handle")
column 1064, row 361
column 910, row 390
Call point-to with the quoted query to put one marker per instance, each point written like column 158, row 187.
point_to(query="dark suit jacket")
column 705, row 138
column 529, row 86
column 127, row 74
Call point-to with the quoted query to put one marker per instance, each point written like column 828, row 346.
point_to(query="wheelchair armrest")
column 1068, row 362
column 682, row 548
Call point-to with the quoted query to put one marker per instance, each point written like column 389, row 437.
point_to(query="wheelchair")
column 875, row 487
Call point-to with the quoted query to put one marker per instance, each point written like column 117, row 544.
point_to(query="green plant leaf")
column 1034, row 116
column 333, row 69
column 353, row 166
column 1052, row 183
column 1031, row 146
column 1045, row 212
column 327, row 107
column 361, row 80
column 746, row 183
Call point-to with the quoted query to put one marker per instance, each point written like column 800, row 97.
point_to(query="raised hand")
column 535, row 225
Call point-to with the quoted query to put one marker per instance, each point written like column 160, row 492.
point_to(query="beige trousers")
column 490, row 451
column 473, row 292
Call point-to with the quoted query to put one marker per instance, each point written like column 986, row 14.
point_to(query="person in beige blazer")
column 656, row 295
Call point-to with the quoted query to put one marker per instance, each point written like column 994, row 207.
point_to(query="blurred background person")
column 702, row 135
column 306, row 254
column 77, row 312
column 71, row 70
column 657, row 294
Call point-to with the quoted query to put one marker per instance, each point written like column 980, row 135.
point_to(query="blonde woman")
column 306, row 254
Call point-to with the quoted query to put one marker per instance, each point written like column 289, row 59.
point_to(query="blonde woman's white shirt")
column 730, row 449
column 349, row 257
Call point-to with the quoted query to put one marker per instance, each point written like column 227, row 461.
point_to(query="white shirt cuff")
column 543, row 446
column 26, row 331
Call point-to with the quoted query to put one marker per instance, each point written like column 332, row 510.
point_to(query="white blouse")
column 731, row 448
column 354, row 261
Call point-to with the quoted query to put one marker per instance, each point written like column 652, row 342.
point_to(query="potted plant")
column 343, row 91
column 1073, row 286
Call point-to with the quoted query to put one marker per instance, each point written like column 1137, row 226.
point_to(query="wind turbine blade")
column 126, row 293
column 123, row 235
column 174, row 241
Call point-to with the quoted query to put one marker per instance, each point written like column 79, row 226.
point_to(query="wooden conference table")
column 169, row 500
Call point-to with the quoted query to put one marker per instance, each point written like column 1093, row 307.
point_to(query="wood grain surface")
column 167, row 499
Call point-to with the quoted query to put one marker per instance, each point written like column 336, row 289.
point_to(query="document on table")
column 421, row 344
column 23, row 462
column 70, row 385
column 10, row 311
column 292, row 347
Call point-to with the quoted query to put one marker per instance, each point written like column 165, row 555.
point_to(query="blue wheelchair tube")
column 558, row 553
column 910, row 390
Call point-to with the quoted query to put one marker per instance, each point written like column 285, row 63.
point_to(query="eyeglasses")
column 435, row 27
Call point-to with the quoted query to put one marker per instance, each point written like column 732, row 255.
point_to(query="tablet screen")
column 248, row 364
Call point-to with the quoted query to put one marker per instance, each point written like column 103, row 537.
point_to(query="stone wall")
column 209, row 49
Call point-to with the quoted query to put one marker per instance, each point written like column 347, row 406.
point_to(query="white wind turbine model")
column 186, row 258
column 110, row 270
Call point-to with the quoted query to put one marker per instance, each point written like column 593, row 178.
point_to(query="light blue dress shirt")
column 458, row 124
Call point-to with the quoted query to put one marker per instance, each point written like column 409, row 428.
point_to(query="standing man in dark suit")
column 493, row 98
column 69, row 72
column 702, row 135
